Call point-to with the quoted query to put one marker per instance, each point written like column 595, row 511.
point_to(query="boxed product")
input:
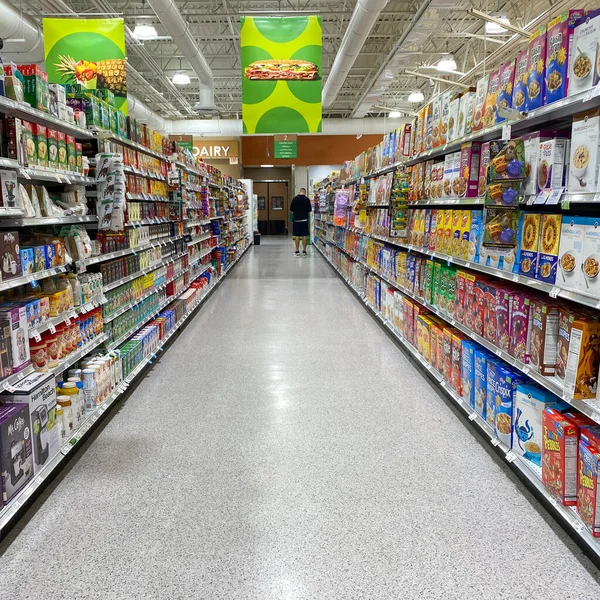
column 588, row 498
column 505, row 93
column 38, row 391
column 590, row 257
column 584, row 163
column 548, row 248
column 453, row 116
column 544, row 336
column 490, row 116
column 456, row 370
column 479, row 105
column 447, row 354
column 532, row 143
column 502, row 315
column 559, row 456
column 450, row 292
column 35, row 86
column 27, row 261
column 581, row 372
column 558, row 42
column 445, row 100
column 16, row 460
column 528, row 250
column 505, row 192
column 501, row 385
column 530, row 403
column 484, row 162
column 572, row 236
column 52, row 148
column 468, row 372
column 519, row 98
column 11, row 259
column 519, row 306
column 448, row 175
column 29, row 143
column 40, row 139
column 61, row 142
column 536, row 74
column 71, row 153
column 19, row 335
column 489, row 312
column 508, row 162
column 59, row 92
column 584, row 54
column 480, row 361
column 566, row 318
column 552, row 166
column 470, row 154
column 465, row 113
column 10, row 197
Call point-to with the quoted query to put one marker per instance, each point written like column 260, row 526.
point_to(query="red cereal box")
column 489, row 313
column 559, row 456
column 470, row 301
column 519, row 325
column 587, row 489
column 407, row 331
column 456, row 372
column 502, row 307
column 447, row 364
column 479, row 290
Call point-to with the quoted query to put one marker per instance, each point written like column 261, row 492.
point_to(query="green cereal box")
column 40, row 137
column 29, row 143
column 436, row 283
column 428, row 286
column 443, row 288
column 61, row 142
column 450, row 291
column 71, row 154
column 52, row 149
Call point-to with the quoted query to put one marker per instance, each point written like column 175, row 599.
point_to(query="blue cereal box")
column 505, row 95
column 27, row 260
column 536, row 68
column 468, row 372
column 480, row 359
column 50, row 256
column 519, row 99
column 475, row 235
column 39, row 257
column 501, row 389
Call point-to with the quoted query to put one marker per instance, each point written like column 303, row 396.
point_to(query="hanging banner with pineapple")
column 281, row 74
column 88, row 54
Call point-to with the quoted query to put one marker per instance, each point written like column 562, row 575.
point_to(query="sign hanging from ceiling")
column 89, row 53
column 219, row 149
column 285, row 146
column 281, row 74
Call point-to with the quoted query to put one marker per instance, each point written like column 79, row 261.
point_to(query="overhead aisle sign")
column 285, row 146
column 281, row 74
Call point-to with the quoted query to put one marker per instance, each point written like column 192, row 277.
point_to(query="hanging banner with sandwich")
column 281, row 74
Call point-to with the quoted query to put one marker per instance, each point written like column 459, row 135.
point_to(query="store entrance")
column 273, row 207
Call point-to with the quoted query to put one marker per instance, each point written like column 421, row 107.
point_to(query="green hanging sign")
column 285, row 146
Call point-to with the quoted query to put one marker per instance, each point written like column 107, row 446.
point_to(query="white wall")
column 318, row 172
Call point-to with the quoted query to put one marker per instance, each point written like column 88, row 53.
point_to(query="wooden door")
column 278, row 208
column 261, row 189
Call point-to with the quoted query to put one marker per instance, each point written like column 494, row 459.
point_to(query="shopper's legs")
column 304, row 243
column 297, row 241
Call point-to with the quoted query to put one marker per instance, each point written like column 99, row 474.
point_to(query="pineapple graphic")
column 110, row 74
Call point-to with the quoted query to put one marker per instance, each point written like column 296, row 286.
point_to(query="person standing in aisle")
column 300, row 209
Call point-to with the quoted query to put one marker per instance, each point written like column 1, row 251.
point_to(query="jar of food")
column 60, row 422
column 71, row 389
column 52, row 350
column 67, row 413
column 39, row 355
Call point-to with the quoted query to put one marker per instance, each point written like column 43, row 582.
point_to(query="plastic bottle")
column 76, row 287
column 70, row 389
column 60, row 422
column 67, row 414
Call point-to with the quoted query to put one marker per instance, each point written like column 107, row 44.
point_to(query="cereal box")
column 491, row 100
column 584, row 163
column 456, row 232
column 483, row 168
column 519, row 305
column 502, row 314
column 436, row 350
column 501, row 385
column 548, row 248
column 519, row 98
column 453, row 119
column 544, row 336
column 558, row 40
column 528, row 253
column 428, row 127
column 572, row 236
column 552, row 164
column 447, row 362
column 588, row 496
column 505, row 95
column 530, row 403
column 489, row 313
column 455, row 174
column 559, row 456
column 475, row 235
column 479, row 290
column 459, row 301
column 448, row 175
column 584, row 54
column 465, row 229
column 468, row 371
column 465, row 115
column 443, row 285
column 590, row 264
column 470, row 302
column 448, row 232
column 445, row 100
column 480, row 361
column 531, row 142
column 467, row 184
column 450, row 291
column 581, row 372
column 479, row 103
column 437, row 276
column 536, row 69
column 436, row 122
column 566, row 317
column 456, row 373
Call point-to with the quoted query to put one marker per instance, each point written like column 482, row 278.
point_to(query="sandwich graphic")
column 281, row 70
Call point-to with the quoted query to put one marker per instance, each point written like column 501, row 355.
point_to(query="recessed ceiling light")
column 416, row 96
column 181, row 78
column 266, row 166
column 447, row 63
column 145, row 31
column 491, row 27
column 394, row 114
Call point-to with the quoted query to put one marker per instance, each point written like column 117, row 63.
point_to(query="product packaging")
column 480, row 361
column 536, row 73
column 584, row 163
column 491, row 101
column 529, row 243
column 549, row 248
column 581, row 373
column 552, row 166
column 584, row 54
column 519, row 98
column 588, row 497
column 479, row 103
column 544, row 336
column 505, row 94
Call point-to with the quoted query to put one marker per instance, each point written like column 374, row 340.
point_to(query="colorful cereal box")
column 479, row 290
column 530, row 236
column 530, row 403
column 465, row 229
column 570, row 252
column 544, row 336
column 447, row 364
column 475, row 235
column 519, row 305
column 501, row 389
column 584, row 54
column 559, row 456
column 581, row 373
column 480, row 361
column 502, row 313
column 584, row 163
column 489, row 313
column 566, row 318
column 519, row 98
column 548, row 248
column 531, row 143
column 436, row 121
column 470, row 302
column 446, row 99
column 451, row 292
column 456, row 232
column 552, row 167
column 483, row 168
column 456, row 373
column 479, row 103
column 590, row 265
column 505, row 95
column 437, row 277
column 467, row 183
column 491, row 101
column 459, row 301
column 536, row 69
column 468, row 372
column 443, row 288
column 588, row 496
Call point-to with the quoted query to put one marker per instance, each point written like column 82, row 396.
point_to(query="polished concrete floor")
column 284, row 448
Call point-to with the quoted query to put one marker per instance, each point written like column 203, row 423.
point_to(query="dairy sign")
column 216, row 149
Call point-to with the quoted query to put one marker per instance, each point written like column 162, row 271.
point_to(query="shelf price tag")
column 553, row 293
column 510, row 456
column 555, row 196
column 36, row 335
column 67, row 321
column 9, row 388
column 52, row 328
column 472, row 416
column 495, row 442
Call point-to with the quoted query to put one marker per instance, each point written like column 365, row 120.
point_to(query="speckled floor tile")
column 285, row 449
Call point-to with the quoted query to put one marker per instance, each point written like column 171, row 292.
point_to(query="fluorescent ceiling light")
column 145, row 31
column 491, row 27
column 416, row 96
column 181, row 78
column 394, row 114
column 266, row 166
column 447, row 63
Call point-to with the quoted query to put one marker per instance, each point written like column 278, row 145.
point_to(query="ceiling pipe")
column 21, row 35
column 366, row 12
column 138, row 110
column 170, row 17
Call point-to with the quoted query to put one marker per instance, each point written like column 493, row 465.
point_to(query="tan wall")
column 223, row 165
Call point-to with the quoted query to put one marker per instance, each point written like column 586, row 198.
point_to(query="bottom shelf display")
column 94, row 384
column 551, row 446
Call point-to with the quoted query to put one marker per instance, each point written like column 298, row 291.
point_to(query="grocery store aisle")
column 284, row 448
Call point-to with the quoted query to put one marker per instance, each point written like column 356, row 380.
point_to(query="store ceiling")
column 216, row 24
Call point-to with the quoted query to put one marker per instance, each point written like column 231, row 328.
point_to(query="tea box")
column 29, row 143
column 549, row 248
column 530, row 403
column 584, row 163
column 583, row 358
column 559, row 456
column 544, row 336
column 479, row 103
column 588, row 496
column 16, row 452
column 505, row 93
column 480, row 362
column 529, row 242
column 79, row 157
column 40, row 139
column 584, row 54
column 519, row 306
column 536, row 69
column 552, row 164
column 61, row 142
column 52, row 148
column 35, row 86
column 491, row 101
column 519, row 97
column 468, row 372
